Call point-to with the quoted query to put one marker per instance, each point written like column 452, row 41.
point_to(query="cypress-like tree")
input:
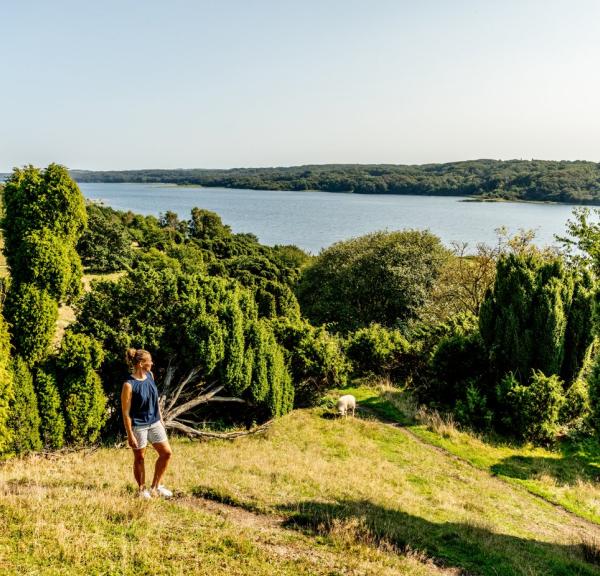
column 6, row 388
column 84, row 400
column 24, row 416
column 52, row 425
column 44, row 217
column 537, row 317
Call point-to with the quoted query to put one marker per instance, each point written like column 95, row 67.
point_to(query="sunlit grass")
column 567, row 475
column 316, row 495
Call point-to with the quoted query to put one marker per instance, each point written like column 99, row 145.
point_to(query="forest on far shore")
column 526, row 180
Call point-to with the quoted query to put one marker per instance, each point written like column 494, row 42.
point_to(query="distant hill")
column 528, row 180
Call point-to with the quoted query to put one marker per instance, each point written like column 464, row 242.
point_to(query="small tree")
column 83, row 397
column 24, row 415
column 52, row 422
column 385, row 277
column 537, row 316
column 33, row 313
column 6, row 388
column 532, row 411
column 377, row 350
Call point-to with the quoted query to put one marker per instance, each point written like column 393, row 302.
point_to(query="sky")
column 133, row 84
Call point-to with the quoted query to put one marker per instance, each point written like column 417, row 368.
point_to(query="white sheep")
column 345, row 404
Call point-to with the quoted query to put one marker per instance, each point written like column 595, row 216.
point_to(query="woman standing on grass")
column 143, row 422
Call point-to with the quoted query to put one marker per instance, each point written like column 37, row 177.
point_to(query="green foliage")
column 191, row 321
column 577, row 402
column 41, row 199
column 24, row 416
column 52, row 422
column 44, row 217
column 537, row 316
column 105, row 245
column 84, row 400
column 315, row 357
column 49, row 264
column 385, row 277
column 376, row 350
column 473, row 410
column 532, row 411
column 207, row 225
column 458, row 363
column 594, row 395
column 6, row 387
column 32, row 312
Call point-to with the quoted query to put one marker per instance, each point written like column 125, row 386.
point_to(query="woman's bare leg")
column 139, row 468
column 164, row 455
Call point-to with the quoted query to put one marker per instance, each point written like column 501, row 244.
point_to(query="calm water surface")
column 314, row 220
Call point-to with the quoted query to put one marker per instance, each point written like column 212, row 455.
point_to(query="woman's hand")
column 131, row 440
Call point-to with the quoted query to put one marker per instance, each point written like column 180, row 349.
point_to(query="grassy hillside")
column 316, row 495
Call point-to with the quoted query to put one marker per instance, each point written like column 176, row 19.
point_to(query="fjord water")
column 315, row 220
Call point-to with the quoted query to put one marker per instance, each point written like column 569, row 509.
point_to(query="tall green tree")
column 24, row 414
column 6, row 388
column 537, row 317
column 383, row 278
column 44, row 218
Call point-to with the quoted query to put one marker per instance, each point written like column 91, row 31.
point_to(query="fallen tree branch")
column 195, row 433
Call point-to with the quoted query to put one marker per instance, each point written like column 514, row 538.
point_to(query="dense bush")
column 385, row 277
column 52, row 422
column 6, row 387
column 105, row 245
column 458, row 362
column 24, row 414
column 315, row 357
column 377, row 350
column 189, row 321
column 538, row 316
column 84, row 400
column 531, row 411
column 44, row 217
column 33, row 313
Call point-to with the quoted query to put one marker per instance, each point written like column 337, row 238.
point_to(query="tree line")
column 527, row 180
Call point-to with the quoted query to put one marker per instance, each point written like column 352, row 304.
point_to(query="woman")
column 143, row 423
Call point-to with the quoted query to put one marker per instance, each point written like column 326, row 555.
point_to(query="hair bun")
column 130, row 355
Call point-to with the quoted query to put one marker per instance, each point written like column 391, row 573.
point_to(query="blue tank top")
column 144, row 401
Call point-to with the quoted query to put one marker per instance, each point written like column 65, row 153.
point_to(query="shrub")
column 384, row 277
column 84, row 400
column 315, row 357
column 24, row 416
column 531, row 411
column 33, row 313
column 473, row 410
column 577, row 402
column 458, row 361
column 6, row 387
column 376, row 350
column 52, row 422
column 537, row 317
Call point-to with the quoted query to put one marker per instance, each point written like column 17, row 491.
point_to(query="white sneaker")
column 164, row 492
column 145, row 494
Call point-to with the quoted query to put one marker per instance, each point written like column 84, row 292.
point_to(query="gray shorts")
column 153, row 433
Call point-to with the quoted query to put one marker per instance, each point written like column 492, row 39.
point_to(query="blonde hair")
column 134, row 356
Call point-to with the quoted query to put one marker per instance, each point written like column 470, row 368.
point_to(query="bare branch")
column 176, row 425
column 172, row 414
column 191, row 375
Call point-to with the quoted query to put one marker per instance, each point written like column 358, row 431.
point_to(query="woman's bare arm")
column 125, row 407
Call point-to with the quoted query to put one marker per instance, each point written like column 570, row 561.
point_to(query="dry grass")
column 315, row 496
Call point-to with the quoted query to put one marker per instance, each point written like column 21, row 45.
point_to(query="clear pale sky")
column 124, row 84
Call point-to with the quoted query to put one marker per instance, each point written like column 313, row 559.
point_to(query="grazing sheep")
column 345, row 404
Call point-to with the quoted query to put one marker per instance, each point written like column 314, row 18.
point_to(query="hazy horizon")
column 132, row 86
